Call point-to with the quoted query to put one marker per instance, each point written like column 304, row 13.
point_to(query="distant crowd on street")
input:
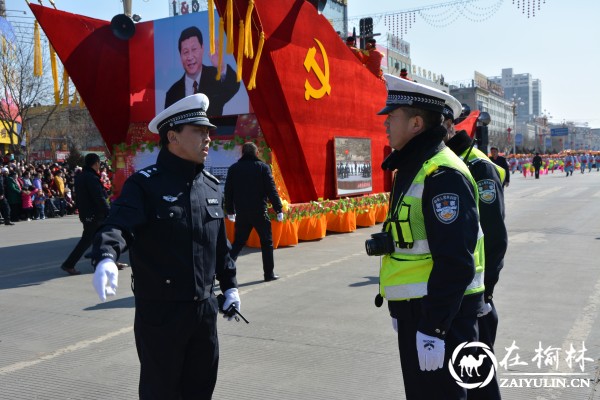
column 38, row 190
column 566, row 162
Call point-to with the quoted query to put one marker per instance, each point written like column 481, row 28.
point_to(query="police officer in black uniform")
column 491, row 214
column 170, row 218
column 432, row 286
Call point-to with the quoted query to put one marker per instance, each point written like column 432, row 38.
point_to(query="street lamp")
column 543, row 119
column 515, row 101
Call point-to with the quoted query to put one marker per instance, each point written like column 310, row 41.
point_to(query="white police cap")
column 406, row 93
column 190, row 110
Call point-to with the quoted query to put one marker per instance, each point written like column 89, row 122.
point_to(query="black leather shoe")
column 70, row 271
column 8, row 223
column 121, row 266
column 271, row 278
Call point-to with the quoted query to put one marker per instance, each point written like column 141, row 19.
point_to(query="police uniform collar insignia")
column 446, row 207
column 171, row 199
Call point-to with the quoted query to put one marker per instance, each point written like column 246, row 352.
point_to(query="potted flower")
column 313, row 222
column 341, row 215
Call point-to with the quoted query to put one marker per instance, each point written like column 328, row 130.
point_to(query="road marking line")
column 65, row 350
column 304, row 271
column 546, row 192
column 574, row 192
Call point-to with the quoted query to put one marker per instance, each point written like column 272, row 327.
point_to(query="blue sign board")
column 518, row 139
column 559, row 131
column 548, row 141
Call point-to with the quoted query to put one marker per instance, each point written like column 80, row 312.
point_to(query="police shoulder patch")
column 487, row 190
column 148, row 171
column 445, row 207
column 210, row 176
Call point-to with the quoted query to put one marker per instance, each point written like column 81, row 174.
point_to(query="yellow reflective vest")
column 404, row 273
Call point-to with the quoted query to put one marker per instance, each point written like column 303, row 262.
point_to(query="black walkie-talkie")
column 231, row 310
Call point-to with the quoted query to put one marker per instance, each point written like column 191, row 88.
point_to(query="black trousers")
column 537, row 173
column 262, row 224
column 488, row 326
column 5, row 210
column 178, row 348
column 89, row 229
column 438, row 384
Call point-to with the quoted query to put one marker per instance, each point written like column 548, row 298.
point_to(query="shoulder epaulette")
column 210, row 176
column 148, row 171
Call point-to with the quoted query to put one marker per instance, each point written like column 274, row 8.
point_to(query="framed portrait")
column 353, row 170
column 183, row 65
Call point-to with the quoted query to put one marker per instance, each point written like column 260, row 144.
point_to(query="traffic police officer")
column 433, row 275
column 489, row 178
column 170, row 217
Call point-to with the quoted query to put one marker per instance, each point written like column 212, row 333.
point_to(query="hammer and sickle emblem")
column 310, row 64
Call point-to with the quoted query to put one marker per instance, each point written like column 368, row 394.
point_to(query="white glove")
column 431, row 352
column 106, row 278
column 232, row 297
column 231, row 217
column 487, row 307
column 280, row 217
column 395, row 324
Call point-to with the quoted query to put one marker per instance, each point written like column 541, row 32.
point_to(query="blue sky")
column 559, row 45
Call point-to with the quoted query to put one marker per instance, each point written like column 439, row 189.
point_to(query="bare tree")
column 21, row 91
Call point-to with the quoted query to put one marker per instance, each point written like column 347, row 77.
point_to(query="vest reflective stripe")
column 415, row 190
column 419, row 247
column 416, row 290
column 404, row 274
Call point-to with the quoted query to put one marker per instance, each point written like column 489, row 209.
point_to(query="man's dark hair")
column 189, row 33
column 164, row 138
column 91, row 159
column 249, row 149
column 431, row 119
column 351, row 39
column 372, row 41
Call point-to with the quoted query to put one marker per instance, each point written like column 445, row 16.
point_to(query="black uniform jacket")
column 501, row 161
column 170, row 217
column 248, row 187
column 491, row 211
column 218, row 92
column 451, row 244
column 90, row 196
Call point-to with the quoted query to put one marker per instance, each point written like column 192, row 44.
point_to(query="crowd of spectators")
column 36, row 190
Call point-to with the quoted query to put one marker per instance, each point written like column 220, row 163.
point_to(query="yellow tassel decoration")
column 37, row 50
column 211, row 26
column 248, row 49
column 229, row 16
column 221, row 39
column 261, row 42
column 65, row 87
column 240, row 51
column 54, row 75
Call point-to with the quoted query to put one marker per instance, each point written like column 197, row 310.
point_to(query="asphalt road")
column 315, row 333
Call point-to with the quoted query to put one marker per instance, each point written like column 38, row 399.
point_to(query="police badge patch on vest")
column 487, row 190
column 445, row 207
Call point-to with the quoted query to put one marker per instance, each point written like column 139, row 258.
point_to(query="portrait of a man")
column 199, row 78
